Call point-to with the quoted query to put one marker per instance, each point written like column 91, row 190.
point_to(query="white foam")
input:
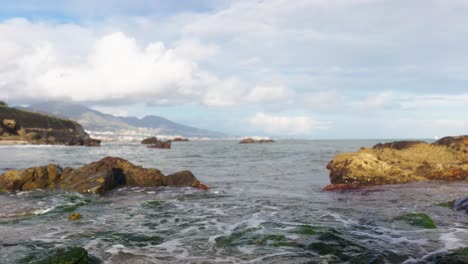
column 451, row 241
column 115, row 249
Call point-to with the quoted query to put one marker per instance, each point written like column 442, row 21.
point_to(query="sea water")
column 265, row 205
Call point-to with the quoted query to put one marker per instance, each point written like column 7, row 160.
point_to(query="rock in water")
column 73, row 255
column 251, row 141
column 96, row 177
column 461, row 204
column 402, row 162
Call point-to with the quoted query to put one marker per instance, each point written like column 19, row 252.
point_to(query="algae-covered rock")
column 417, row 219
column 73, row 255
column 402, row 162
column 458, row 256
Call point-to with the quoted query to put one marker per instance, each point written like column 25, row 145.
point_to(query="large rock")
column 18, row 125
column 96, row 177
column 402, row 162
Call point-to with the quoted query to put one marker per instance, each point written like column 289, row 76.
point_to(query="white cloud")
column 38, row 64
column 435, row 100
column 268, row 94
column 288, row 125
column 375, row 101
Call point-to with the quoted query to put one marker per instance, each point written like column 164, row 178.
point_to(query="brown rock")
column 150, row 140
column 44, row 177
column 74, row 216
column 402, row 162
column 181, row 178
column 96, row 177
column 247, row 141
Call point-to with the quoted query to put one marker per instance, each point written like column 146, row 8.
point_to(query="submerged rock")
column 74, row 216
column 73, row 255
column 402, row 162
column 96, row 177
column 417, row 219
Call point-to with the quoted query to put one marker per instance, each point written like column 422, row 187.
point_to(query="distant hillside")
column 96, row 121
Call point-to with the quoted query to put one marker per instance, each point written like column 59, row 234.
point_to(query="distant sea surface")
column 265, row 205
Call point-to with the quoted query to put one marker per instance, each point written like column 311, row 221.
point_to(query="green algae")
column 446, row 204
column 72, row 255
column 153, row 203
column 305, row 230
column 417, row 219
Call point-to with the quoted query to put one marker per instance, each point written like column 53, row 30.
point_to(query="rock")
column 34, row 128
column 74, row 216
column 93, row 143
column 150, row 140
column 10, row 124
column 45, row 177
column 458, row 256
column 417, row 219
column 154, row 142
column 96, row 177
column 181, row 178
column 461, row 204
column 247, row 141
column 251, row 141
column 179, row 139
column 161, row 145
column 402, row 162
column 73, row 255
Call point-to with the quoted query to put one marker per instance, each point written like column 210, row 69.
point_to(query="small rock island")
column 96, row 177
column 401, row 162
column 19, row 126
column 252, row 141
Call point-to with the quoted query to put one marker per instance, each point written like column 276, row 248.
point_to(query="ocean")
column 265, row 205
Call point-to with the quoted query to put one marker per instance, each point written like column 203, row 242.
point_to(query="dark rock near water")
column 461, row 204
column 251, row 141
column 20, row 126
column 179, row 139
column 154, row 142
column 96, row 177
column 402, row 162
column 150, row 140
column 73, row 255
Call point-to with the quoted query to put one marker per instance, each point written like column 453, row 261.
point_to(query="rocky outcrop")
column 150, row 140
column 402, row 162
column 96, row 177
column 251, row 141
column 154, row 142
column 179, row 139
column 34, row 128
column 161, row 145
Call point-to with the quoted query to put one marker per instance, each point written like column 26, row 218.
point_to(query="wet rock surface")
column 402, row 162
column 96, row 177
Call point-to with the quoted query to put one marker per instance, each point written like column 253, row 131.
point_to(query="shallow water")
column 265, row 205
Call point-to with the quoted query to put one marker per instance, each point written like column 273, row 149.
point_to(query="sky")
column 312, row 69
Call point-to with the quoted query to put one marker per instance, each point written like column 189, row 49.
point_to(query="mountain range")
column 99, row 123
